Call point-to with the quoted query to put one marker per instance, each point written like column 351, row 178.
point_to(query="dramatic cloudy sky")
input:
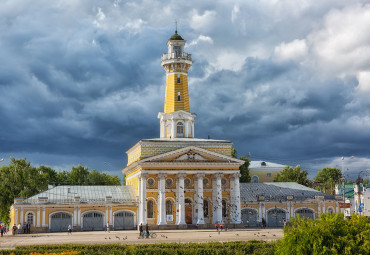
column 287, row 81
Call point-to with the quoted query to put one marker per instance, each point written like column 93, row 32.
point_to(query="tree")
column 293, row 174
column 330, row 234
column 329, row 177
column 244, row 170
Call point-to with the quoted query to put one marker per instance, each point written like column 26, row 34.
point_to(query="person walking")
column 147, row 230
column 2, row 230
column 217, row 226
column 28, row 228
column 284, row 222
column 263, row 223
column 19, row 229
column 141, row 230
column 69, row 229
column 14, row 229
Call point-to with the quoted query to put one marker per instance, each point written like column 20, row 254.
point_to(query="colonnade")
column 235, row 212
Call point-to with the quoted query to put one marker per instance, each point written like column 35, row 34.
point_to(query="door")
column 188, row 212
column 124, row 220
column 60, row 221
column 249, row 218
column 93, row 221
column 305, row 213
column 275, row 217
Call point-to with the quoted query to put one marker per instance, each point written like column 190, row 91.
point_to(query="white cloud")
column 342, row 44
column 235, row 13
column 364, row 82
column 291, row 51
column 203, row 21
column 200, row 39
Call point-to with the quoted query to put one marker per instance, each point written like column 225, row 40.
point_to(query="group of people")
column 3, row 229
column 142, row 234
column 18, row 229
column 219, row 227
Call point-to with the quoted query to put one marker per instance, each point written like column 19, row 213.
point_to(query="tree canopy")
column 20, row 179
column 330, row 234
column 329, row 177
column 244, row 169
column 293, row 174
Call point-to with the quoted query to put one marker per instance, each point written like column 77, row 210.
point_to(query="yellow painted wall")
column 172, row 89
column 262, row 175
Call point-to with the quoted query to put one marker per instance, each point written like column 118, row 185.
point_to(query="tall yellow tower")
column 176, row 120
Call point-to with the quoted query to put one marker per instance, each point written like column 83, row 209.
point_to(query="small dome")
column 176, row 36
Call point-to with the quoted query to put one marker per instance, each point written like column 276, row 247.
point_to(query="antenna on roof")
column 175, row 26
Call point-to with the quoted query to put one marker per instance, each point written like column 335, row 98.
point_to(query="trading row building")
column 175, row 181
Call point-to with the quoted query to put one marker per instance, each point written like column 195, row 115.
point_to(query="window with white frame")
column 180, row 129
column 30, row 218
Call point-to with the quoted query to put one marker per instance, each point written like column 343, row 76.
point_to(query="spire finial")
column 175, row 26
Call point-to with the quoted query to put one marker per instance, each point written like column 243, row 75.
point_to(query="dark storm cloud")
column 81, row 81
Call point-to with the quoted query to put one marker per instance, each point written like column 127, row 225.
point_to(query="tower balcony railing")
column 176, row 55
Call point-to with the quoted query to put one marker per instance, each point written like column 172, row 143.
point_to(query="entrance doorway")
column 188, row 211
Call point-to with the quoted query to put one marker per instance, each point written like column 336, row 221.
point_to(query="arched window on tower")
column 178, row 96
column 180, row 129
column 254, row 179
column 150, row 209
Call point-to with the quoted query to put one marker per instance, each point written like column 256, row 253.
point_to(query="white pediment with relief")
column 191, row 154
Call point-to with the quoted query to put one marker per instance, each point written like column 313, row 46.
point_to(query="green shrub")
column 330, row 234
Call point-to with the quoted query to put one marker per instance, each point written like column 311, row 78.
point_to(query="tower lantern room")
column 176, row 120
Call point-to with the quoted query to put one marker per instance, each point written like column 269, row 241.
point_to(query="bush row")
column 212, row 248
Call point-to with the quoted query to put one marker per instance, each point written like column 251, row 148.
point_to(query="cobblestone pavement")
column 131, row 237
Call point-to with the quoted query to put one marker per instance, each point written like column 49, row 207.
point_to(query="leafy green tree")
column 329, row 177
column 330, row 234
column 244, row 170
column 293, row 174
column 78, row 176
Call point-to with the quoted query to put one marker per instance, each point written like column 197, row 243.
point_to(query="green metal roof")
column 176, row 36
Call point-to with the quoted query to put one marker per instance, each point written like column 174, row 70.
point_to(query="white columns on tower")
column 200, row 199
column 181, row 198
column 142, row 199
column 237, row 213
column 217, row 199
column 162, row 199
column 173, row 129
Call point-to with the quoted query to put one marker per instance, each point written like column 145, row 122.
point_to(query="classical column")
column 43, row 217
column 237, row 212
column 217, row 199
column 142, row 198
column 232, row 199
column 181, row 198
column 173, row 128
column 79, row 216
column 161, row 218
column 16, row 216
column 106, row 215
column 200, row 199
column 75, row 216
column 22, row 217
column 192, row 129
column 38, row 217
column 110, row 215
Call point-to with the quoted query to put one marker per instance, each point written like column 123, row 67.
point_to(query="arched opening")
column 275, row 217
column 305, row 213
column 93, row 221
column 123, row 220
column 169, row 209
column 180, row 129
column 188, row 211
column 30, row 218
column 60, row 221
column 150, row 209
column 205, row 208
column 224, row 209
column 254, row 179
column 330, row 210
column 249, row 217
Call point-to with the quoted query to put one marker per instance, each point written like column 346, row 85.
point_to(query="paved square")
column 131, row 237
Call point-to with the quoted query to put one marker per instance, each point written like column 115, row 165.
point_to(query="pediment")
column 191, row 154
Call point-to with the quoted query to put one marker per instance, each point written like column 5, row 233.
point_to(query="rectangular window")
column 178, row 79
column 268, row 175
